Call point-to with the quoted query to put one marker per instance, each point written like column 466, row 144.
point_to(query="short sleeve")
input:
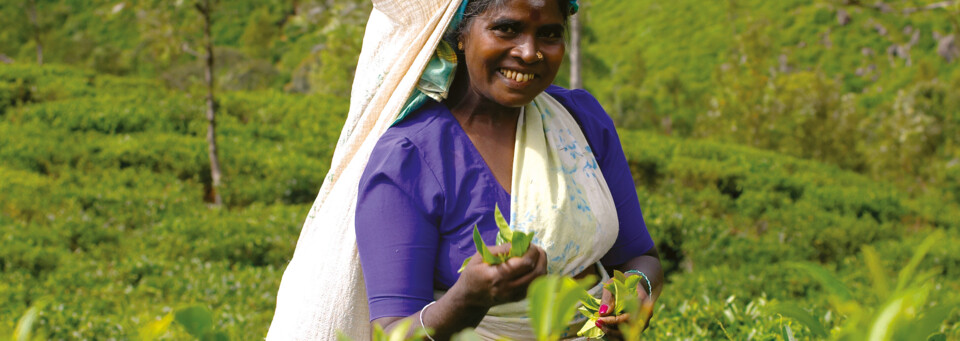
column 633, row 239
column 397, row 228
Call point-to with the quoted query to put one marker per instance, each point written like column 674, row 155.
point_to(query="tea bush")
column 103, row 218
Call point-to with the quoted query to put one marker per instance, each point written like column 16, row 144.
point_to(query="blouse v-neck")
column 472, row 148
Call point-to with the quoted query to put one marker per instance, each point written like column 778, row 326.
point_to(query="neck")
column 470, row 108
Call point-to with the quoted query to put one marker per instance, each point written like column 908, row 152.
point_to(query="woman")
column 548, row 157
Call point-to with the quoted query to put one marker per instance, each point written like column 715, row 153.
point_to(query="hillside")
column 760, row 134
column 870, row 87
column 104, row 222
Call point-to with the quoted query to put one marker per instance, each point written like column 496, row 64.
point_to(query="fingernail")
column 599, row 324
column 603, row 309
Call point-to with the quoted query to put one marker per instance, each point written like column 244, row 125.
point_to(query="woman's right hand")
column 485, row 285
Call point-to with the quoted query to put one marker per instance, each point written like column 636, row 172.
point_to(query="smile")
column 517, row 76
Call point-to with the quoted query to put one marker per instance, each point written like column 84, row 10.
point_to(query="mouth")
column 518, row 76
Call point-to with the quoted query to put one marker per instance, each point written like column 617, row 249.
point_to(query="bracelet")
column 649, row 287
column 421, row 320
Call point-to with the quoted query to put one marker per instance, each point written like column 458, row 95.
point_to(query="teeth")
column 517, row 76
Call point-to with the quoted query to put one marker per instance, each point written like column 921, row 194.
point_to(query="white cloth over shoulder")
column 559, row 194
column 322, row 292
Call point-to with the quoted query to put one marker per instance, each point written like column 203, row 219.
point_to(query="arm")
column 648, row 264
column 479, row 287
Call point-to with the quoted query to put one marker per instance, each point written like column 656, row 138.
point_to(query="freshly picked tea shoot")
column 519, row 242
column 624, row 290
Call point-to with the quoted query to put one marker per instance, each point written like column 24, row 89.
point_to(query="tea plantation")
column 105, row 228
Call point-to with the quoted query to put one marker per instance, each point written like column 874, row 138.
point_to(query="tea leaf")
column 399, row 333
column 590, row 329
column 786, row 332
column 464, row 266
column 519, row 243
column 553, row 302
column 589, row 302
column 932, row 319
column 502, row 224
column 882, row 326
column 619, row 276
column 197, row 320
column 907, row 273
column 827, row 279
column 467, row 335
column 795, row 312
column 487, row 256
column 25, row 326
column 156, row 328
column 880, row 279
column 215, row 336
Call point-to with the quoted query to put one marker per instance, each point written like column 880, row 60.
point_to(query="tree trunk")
column 32, row 13
column 575, row 81
column 205, row 10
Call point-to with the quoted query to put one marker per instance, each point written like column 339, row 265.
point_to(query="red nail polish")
column 603, row 309
column 599, row 324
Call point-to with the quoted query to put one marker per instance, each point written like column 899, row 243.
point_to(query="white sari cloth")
column 559, row 194
column 322, row 292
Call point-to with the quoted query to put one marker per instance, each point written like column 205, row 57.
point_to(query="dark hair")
column 477, row 7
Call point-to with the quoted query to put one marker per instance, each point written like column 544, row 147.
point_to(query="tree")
column 35, row 22
column 576, row 82
column 205, row 10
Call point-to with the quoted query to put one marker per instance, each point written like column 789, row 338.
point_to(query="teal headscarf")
column 438, row 74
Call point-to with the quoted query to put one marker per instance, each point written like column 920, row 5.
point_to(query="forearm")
column 649, row 264
column 449, row 315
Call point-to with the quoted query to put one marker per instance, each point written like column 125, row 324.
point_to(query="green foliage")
column 102, row 209
column 101, row 200
column 623, row 289
column 519, row 242
column 553, row 302
column 787, row 76
column 909, row 311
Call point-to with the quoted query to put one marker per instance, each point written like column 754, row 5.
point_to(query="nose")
column 526, row 51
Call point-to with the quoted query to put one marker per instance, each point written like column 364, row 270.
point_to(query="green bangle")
column 649, row 287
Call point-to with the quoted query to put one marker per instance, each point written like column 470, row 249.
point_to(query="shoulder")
column 410, row 145
column 596, row 125
column 584, row 107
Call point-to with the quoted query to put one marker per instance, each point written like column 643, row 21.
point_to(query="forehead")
column 547, row 10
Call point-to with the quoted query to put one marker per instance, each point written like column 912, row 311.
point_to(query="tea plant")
column 906, row 310
column 196, row 320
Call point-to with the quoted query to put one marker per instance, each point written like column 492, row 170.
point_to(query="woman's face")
column 501, row 48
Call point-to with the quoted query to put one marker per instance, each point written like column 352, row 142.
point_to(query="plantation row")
column 104, row 226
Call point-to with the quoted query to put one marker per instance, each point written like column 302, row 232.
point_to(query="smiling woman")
column 503, row 137
column 484, row 128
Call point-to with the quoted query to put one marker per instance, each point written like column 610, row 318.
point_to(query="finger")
column 606, row 303
column 541, row 261
column 501, row 249
column 538, row 270
column 518, row 266
column 614, row 320
column 610, row 332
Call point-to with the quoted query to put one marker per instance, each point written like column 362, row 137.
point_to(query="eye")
column 505, row 28
column 551, row 34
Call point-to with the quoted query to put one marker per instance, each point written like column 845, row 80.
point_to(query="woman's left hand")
column 610, row 323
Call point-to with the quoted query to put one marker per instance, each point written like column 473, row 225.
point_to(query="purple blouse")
column 426, row 185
